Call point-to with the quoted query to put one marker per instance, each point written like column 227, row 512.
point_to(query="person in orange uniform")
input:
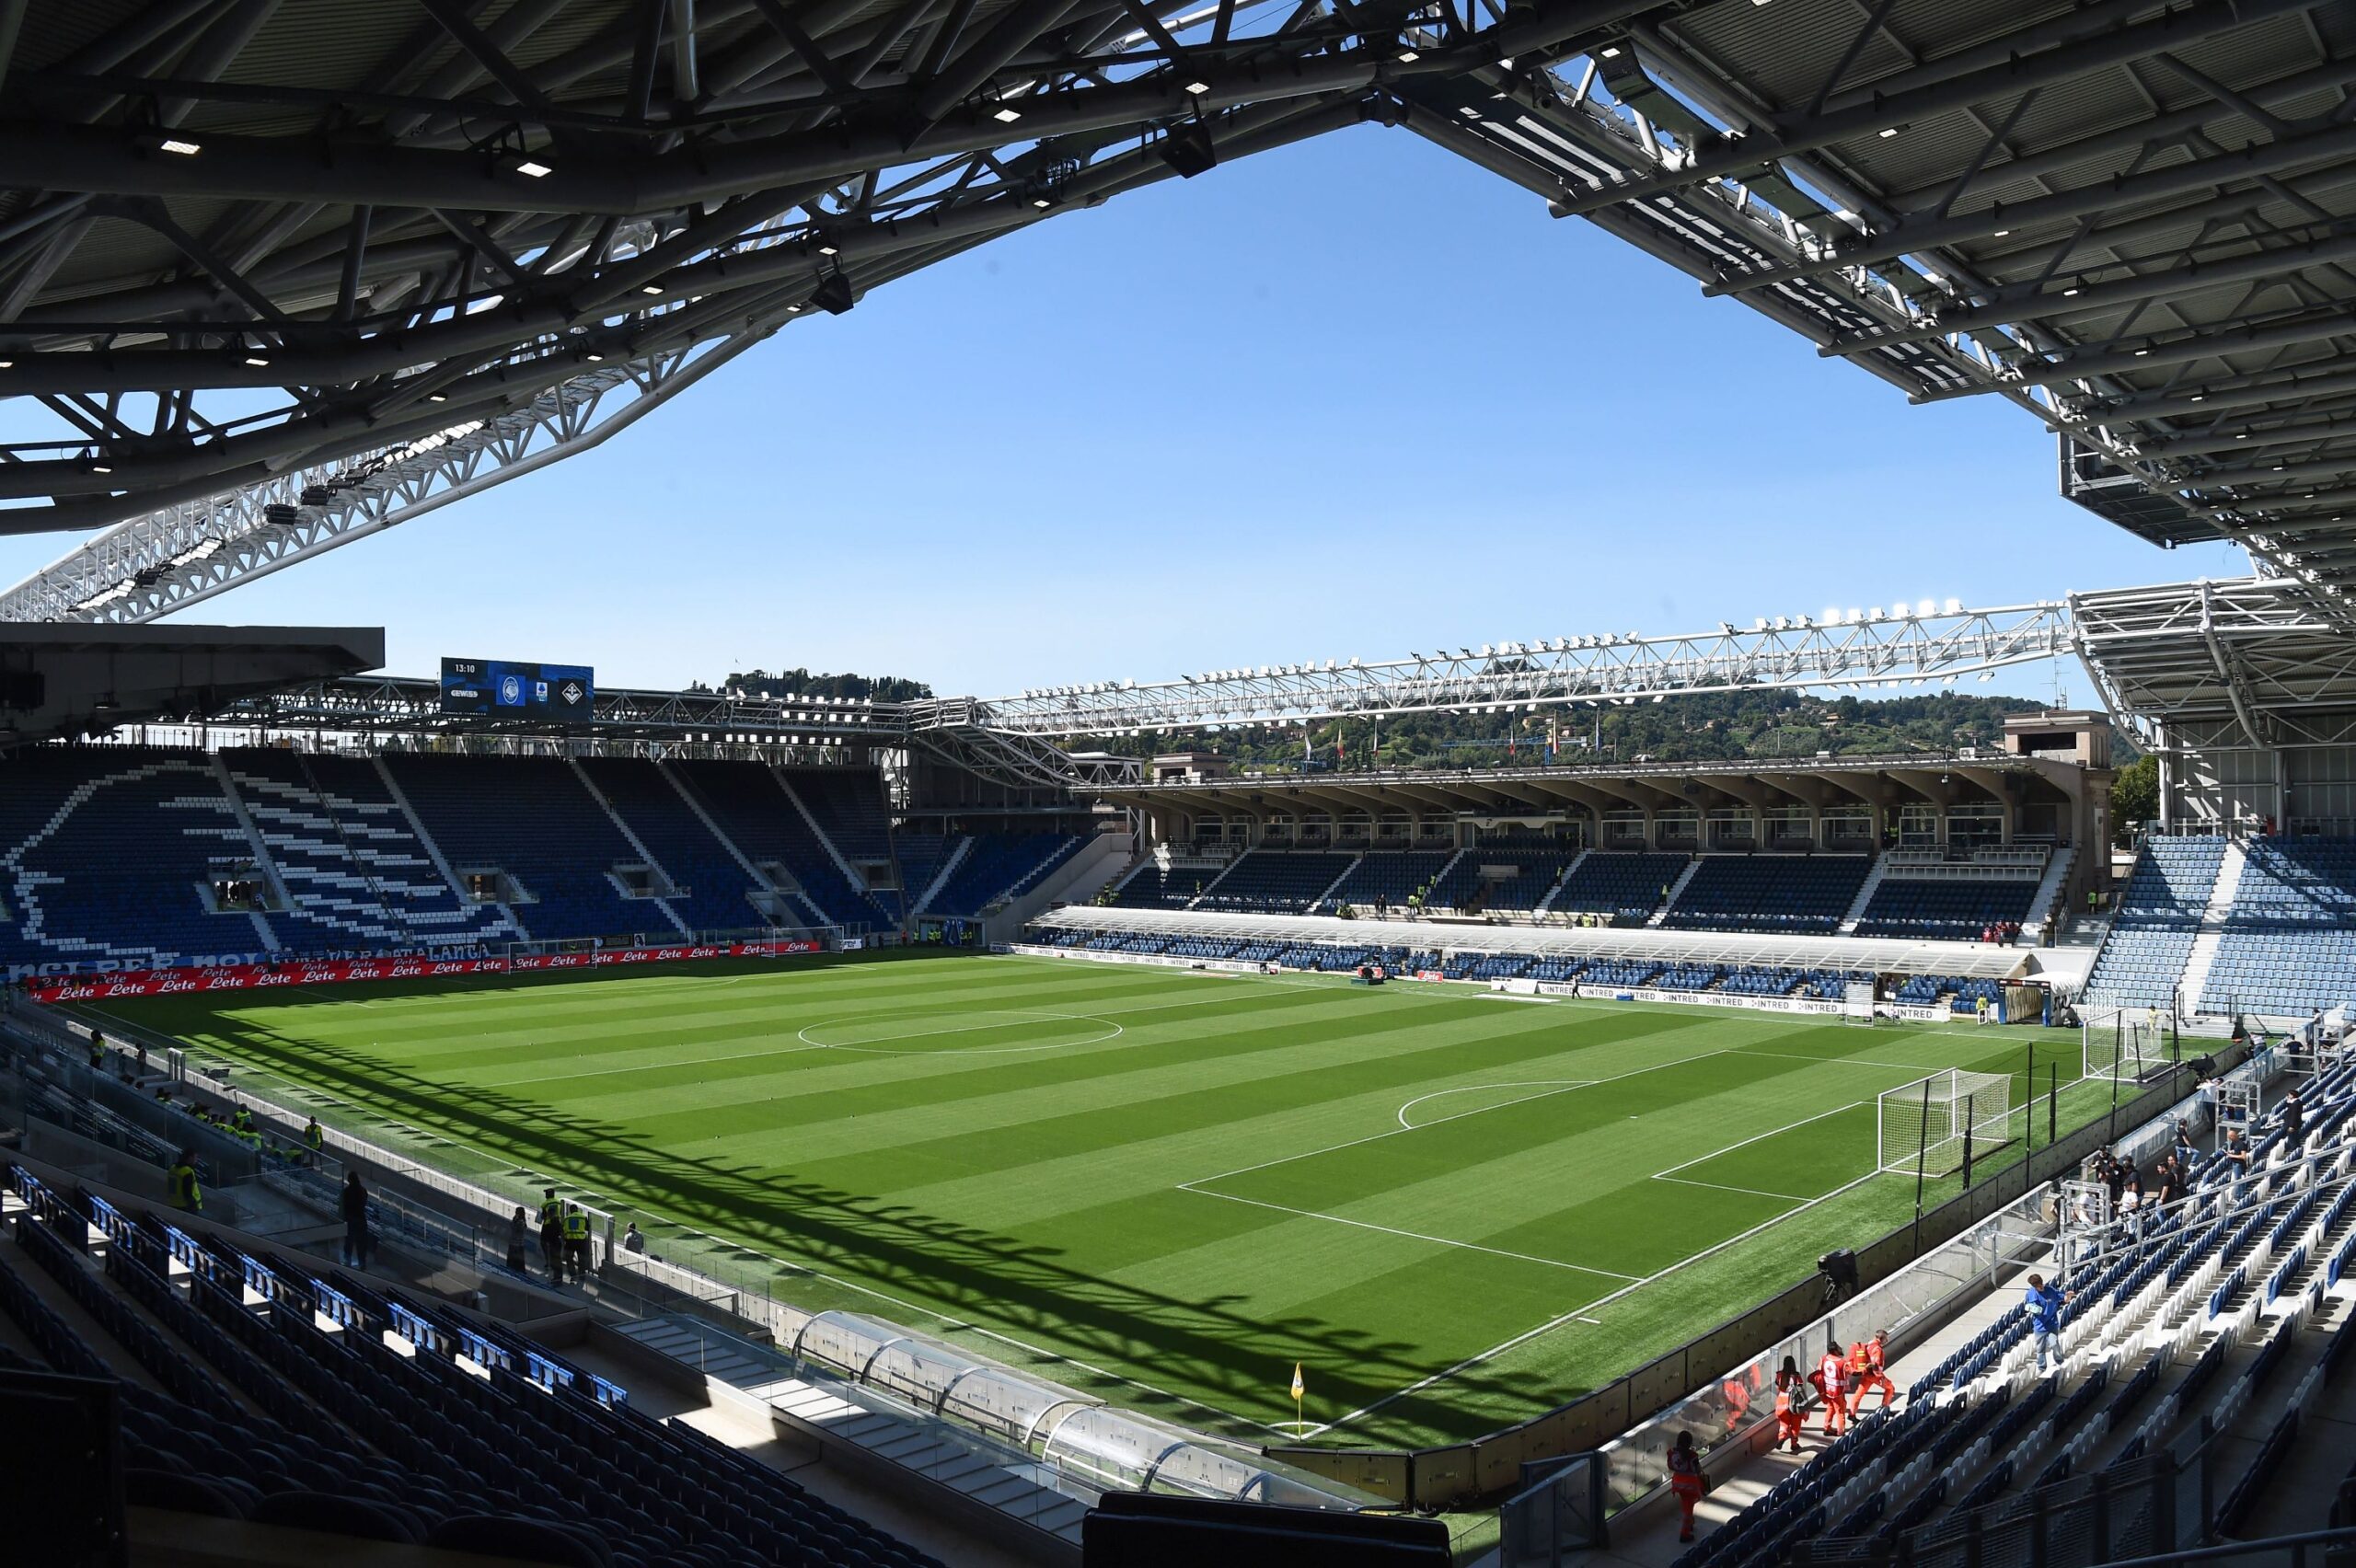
column 1686, row 1480
column 1868, row 1370
column 1833, row 1368
column 1788, row 1384
column 1737, row 1392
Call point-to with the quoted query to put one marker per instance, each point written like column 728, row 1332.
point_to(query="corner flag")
column 1299, row 1387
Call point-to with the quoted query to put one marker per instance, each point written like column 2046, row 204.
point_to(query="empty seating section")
column 1625, row 887
column 466, row 1436
column 2290, row 940
column 1963, row 996
column 1948, row 909
column 717, row 888
column 2191, row 1323
column 746, row 800
column 1774, row 894
column 1387, row 877
column 103, row 852
column 848, row 804
column 2158, row 919
column 1473, row 883
column 354, row 869
column 1273, row 882
column 530, row 817
column 1001, row 866
column 1155, row 886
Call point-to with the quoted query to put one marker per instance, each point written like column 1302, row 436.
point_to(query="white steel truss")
column 1863, row 649
column 181, row 555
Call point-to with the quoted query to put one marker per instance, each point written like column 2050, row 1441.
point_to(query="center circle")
column 988, row 1032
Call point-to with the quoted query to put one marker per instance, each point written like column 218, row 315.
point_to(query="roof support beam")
column 1883, row 110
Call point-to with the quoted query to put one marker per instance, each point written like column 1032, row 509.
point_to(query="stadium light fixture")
column 1408, row 57
column 1612, row 52
column 1887, row 131
column 101, row 468
column 180, row 146
column 1007, row 115
column 260, row 361
column 533, row 168
column 1197, row 89
column 650, row 288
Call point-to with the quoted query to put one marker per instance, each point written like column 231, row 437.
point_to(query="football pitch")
column 1455, row 1210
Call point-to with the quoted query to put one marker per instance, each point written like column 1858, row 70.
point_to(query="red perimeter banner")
column 336, row 971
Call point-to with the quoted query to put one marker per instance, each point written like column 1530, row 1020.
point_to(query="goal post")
column 1931, row 1120
column 2126, row 1043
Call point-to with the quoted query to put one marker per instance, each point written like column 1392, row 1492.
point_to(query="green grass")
column 1455, row 1210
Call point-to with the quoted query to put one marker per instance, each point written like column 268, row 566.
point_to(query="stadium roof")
column 1944, row 777
column 2255, row 655
column 1970, row 961
column 73, row 679
column 363, row 257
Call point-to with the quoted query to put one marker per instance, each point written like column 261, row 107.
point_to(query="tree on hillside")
column 2134, row 799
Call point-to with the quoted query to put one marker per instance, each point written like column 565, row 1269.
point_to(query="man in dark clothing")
column 2295, row 1117
column 553, row 1236
column 355, row 1221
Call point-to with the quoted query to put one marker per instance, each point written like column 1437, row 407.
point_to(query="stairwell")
column 433, row 851
column 1676, row 891
column 712, row 826
column 1212, row 886
column 852, row 873
column 1546, row 904
column 2046, row 903
column 948, row 864
column 263, row 861
column 2203, row 957
column 637, row 844
column 1323, row 898
column 1863, row 901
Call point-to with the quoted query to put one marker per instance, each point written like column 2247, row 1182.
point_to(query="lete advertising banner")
column 338, row 971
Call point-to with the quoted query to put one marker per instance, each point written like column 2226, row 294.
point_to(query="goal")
column 2128, row 1042
column 1928, row 1120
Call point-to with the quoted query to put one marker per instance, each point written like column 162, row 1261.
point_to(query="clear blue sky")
column 1356, row 397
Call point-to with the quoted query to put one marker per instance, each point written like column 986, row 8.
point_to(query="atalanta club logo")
column 510, row 691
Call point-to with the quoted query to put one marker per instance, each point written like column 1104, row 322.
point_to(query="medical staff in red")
column 1832, row 1381
column 1868, row 1370
column 1788, row 1384
column 1686, row 1481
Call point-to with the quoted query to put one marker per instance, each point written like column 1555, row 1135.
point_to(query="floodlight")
column 1007, row 116
column 181, row 146
column 1408, row 57
column 1890, row 131
column 1188, row 149
column 650, row 288
column 1197, row 89
column 833, row 294
column 532, row 168
column 100, row 468
column 1954, row 605
column 260, row 361
column 1926, row 608
column 1612, row 52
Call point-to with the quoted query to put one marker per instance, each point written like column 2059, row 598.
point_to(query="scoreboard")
column 485, row 689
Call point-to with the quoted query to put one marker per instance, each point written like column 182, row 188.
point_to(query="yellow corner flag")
column 1299, row 1387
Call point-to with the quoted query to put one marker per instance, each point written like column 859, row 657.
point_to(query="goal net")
column 2128, row 1042
column 1931, row 1120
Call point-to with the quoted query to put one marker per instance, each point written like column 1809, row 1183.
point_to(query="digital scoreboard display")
column 490, row 689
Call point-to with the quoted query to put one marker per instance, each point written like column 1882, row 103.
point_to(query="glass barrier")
column 1724, row 1413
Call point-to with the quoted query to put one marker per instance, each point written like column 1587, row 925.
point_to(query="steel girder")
column 2251, row 652
column 2133, row 221
column 343, row 217
column 1886, row 646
